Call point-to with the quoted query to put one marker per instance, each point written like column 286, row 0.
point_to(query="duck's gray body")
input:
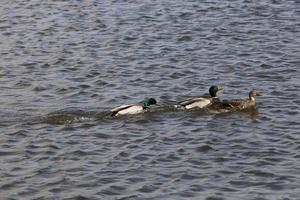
column 130, row 109
column 127, row 110
column 203, row 101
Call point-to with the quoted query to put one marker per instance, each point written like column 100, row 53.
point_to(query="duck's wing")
column 191, row 101
column 220, row 105
column 120, row 108
column 197, row 102
column 234, row 102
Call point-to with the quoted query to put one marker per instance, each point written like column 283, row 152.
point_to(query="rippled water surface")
column 65, row 63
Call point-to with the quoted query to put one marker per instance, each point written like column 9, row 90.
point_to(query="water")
column 65, row 63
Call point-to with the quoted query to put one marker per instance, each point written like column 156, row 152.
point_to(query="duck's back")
column 240, row 103
column 133, row 109
column 122, row 107
column 127, row 109
column 197, row 102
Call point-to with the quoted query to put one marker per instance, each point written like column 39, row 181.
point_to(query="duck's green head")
column 150, row 101
column 214, row 89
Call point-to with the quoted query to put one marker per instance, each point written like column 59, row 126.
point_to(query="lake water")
column 65, row 63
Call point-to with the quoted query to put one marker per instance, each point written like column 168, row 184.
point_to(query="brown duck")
column 236, row 104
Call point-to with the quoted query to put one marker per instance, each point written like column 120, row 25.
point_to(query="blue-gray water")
column 64, row 63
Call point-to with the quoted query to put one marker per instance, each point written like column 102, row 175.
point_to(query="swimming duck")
column 236, row 104
column 133, row 108
column 203, row 101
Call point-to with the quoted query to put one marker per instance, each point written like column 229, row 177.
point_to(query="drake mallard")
column 236, row 104
column 133, row 108
column 203, row 101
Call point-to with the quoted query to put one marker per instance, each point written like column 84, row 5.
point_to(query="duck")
column 236, row 104
column 203, row 101
column 134, row 108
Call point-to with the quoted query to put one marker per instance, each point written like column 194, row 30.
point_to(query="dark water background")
column 64, row 63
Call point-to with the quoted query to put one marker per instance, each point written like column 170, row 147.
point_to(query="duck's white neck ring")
column 252, row 98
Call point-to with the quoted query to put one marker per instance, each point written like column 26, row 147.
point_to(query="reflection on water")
column 68, row 116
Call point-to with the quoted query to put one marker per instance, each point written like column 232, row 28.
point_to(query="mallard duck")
column 203, row 101
column 236, row 104
column 133, row 108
